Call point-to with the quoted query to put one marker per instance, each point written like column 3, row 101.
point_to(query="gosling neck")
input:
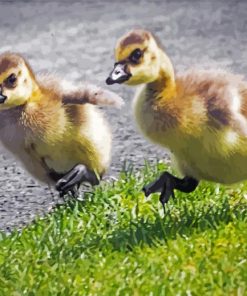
column 35, row 95
column 165, row 84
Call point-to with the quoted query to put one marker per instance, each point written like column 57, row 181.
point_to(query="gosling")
column 200, row 116
column 52, row 126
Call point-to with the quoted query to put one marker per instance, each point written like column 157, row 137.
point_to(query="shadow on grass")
column 142, row 232
column 162, row 229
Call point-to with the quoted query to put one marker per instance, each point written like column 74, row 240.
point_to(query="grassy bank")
column 117, row 242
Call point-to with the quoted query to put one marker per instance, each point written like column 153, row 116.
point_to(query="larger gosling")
column 52, row 127
column 200, row 116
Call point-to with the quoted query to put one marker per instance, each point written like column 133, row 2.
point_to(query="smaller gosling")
column 52, row 126
column 200, row 116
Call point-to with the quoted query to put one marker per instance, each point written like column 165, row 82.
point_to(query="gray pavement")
column 76, row 40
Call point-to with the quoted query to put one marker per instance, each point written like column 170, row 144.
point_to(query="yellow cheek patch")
column 14, row 101
column 138, row 77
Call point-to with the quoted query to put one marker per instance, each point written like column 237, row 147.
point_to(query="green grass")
column 117, row 242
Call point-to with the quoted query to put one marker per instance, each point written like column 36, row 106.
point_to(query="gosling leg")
column 166, row 184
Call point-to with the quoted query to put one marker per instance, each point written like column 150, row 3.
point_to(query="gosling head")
column 137, row 57
column 16, row 81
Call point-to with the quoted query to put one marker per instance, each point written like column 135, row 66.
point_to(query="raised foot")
column 166, row 184
column 72, row 180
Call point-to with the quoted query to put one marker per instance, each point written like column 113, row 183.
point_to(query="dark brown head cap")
column 135, row 37
column 9, row 60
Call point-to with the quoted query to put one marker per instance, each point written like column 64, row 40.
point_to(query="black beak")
column 2, row 98
column 119, row 74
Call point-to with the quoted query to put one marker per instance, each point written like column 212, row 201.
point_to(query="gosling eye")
column 10, row 82
column 135, row 56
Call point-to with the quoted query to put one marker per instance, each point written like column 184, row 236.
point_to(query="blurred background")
column 75, row 40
